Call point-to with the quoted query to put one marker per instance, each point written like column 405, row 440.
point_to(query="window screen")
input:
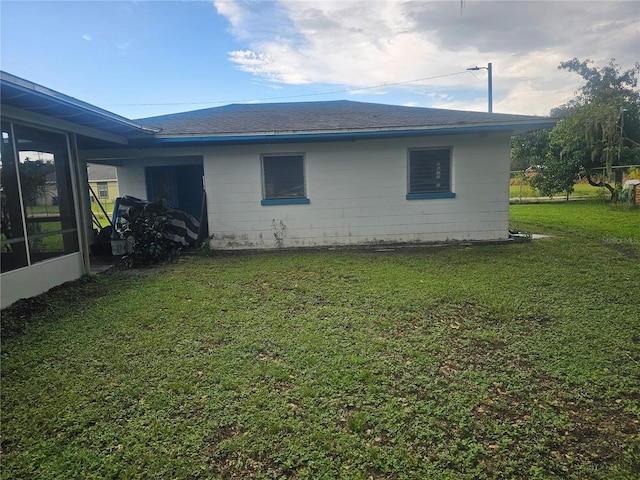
column 283, row 176
column 38, row 209
column 430, row 170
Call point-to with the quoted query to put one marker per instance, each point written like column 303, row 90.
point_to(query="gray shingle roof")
column 331, row 116
column 101, row 173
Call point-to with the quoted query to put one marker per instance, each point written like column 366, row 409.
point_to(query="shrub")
column 148, row 233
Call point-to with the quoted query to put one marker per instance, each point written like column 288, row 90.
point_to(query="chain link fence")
column 521, row 190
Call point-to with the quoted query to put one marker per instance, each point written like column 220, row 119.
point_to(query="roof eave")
column 340, row 135
column 36, row 90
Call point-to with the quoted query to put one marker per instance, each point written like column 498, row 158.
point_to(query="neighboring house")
column 103, row 181
column 264, row 176
column 103, row 184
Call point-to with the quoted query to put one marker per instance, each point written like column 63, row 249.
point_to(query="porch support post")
column 80, row 174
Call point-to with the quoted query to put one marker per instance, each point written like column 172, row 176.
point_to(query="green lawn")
column 594, row 221
column 95, row 208
column 497, row 361
column 97, row 211
column 582, row 190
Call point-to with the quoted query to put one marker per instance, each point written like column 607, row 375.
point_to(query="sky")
column 145, row 58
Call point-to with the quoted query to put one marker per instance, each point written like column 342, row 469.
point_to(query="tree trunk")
column 602, row 183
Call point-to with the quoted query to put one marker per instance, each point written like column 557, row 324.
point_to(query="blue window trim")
column 285, row 201
column 420, row 196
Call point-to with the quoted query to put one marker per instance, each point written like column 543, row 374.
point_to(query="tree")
column 554, row 176
column 529, row 149
column 550, row 174
column 598, row 129
column 601, row 125
column 33, row 179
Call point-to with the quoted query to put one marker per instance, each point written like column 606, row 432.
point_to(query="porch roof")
column 20, row 95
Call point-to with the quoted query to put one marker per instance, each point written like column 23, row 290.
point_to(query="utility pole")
column 489, row 69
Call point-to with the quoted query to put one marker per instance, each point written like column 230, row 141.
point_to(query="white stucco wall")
column 358, row 193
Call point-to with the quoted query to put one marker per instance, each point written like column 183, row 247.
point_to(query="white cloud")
column 358, row 44
column 87, row 37
column 232, row 11
column 123, row 46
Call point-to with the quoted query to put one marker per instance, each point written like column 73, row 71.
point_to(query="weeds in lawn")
column 510, row 361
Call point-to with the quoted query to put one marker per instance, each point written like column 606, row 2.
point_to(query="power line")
column 284, row 97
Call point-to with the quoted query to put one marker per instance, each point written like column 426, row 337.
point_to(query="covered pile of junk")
column 631, row 192
column 118, row 238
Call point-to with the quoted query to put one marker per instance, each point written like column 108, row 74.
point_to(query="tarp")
column 182, row 227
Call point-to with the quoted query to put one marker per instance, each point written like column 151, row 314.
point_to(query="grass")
column 581, row 190
column 608, row 224
column 99, row 214
column 55, row 210
column 497, row 361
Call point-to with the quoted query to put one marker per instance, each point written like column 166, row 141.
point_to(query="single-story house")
column 316, row 174
column 103, row 183
column 268, row 176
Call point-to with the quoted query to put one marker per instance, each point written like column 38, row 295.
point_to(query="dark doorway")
column 178, row 186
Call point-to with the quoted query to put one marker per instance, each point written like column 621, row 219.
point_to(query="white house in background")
column 262, row 176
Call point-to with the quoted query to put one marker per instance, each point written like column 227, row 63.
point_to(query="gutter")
column 340, row 136
column 30, row 88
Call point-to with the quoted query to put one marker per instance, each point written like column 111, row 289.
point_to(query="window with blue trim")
column 430, row 173
column 283, row 179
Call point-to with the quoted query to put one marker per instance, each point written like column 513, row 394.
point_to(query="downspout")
column 83, row 201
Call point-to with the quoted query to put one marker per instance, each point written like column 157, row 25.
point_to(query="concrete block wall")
column 357, row 192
